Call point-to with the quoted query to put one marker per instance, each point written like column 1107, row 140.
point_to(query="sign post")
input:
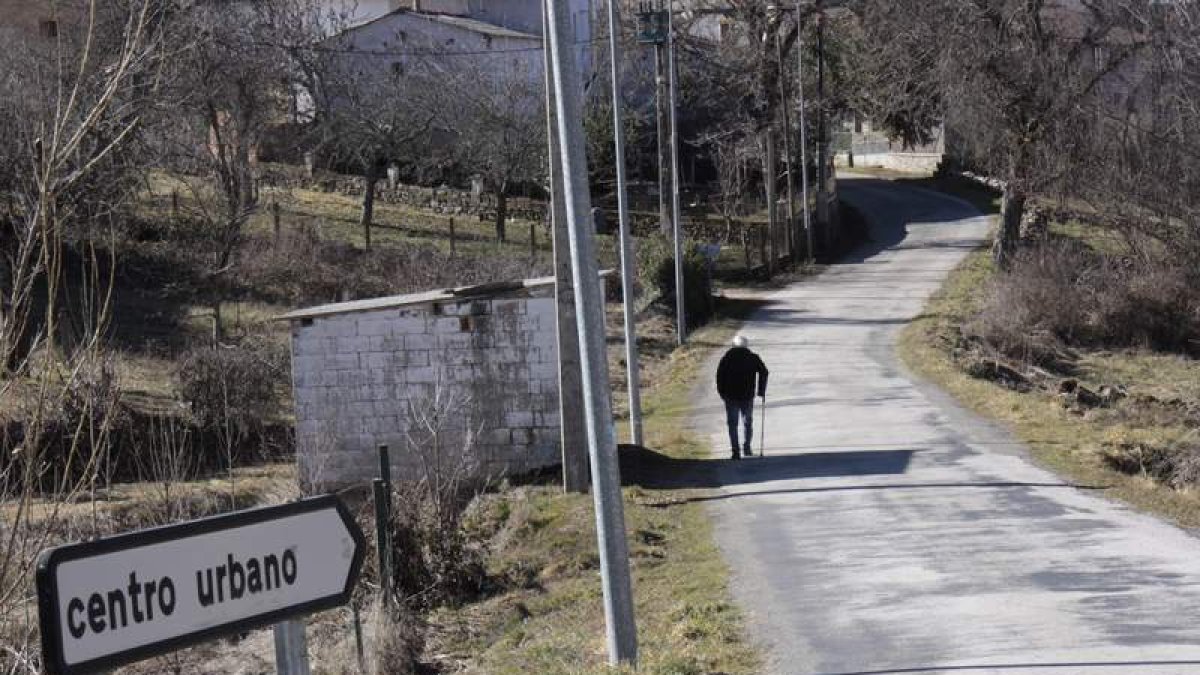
column 124, row 598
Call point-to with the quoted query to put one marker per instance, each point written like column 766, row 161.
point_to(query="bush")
column 1155, row 307
column 1040, row 304
column 698, row 300
column 233, row 389
column 1061, row 293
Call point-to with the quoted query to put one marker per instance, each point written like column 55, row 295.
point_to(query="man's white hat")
column 740, row 341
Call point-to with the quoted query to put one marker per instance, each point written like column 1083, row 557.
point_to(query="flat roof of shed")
column 460, row 294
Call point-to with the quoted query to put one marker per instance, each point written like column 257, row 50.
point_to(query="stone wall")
column 367, row 378
column 897, row 161
column 444, row 200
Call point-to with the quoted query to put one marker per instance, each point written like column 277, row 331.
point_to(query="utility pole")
column 680, row 312
column 660, row 110
column 803, row 133
column 572, row 435
column 627, row 262
column 822, row 180
column 793, row 241
column 606, row 480
column 769, row 181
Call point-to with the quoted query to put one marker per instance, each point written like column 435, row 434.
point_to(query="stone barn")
column 462, row 379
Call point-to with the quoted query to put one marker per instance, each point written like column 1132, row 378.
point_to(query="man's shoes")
column 747, row 452
column 735, row 455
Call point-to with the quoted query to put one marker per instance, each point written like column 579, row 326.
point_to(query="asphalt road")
column 889, row 531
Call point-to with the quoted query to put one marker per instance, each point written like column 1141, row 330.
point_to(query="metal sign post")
column 117, row 600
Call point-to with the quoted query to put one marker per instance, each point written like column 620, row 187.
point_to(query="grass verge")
column 553, row 622
column 1070, row 444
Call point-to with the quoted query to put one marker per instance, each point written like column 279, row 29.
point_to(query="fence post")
column 383, row 515
column 275, row 219
column 451, row 237
column 532, row 239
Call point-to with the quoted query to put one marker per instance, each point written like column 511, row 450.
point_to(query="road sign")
column 120, row 599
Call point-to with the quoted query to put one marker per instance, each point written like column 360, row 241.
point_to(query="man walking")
column 736, row 384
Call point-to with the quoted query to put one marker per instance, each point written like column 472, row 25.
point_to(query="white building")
column 473, row 25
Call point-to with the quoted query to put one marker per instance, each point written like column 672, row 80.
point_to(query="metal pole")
column 291, row 648
column 803, row 133
column 769, row 175
column 660, row 114
column 606, row 479
column 680, row 312
column 627, row 261
column 572, row 435
column 822, row 181
column 793, row 246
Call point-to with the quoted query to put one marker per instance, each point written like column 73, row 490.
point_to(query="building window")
column 48, row 28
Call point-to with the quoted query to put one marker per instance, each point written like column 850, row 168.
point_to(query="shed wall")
column 488, row 366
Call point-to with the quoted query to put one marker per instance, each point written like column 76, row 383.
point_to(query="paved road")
column 889, row 531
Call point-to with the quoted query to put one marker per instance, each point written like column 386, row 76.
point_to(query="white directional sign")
column 124, row 598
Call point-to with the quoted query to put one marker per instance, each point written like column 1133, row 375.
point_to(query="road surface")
column 890, row 531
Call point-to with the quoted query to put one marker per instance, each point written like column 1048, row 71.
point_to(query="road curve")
column 890, row 531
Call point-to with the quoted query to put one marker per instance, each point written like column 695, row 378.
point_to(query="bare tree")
column 497, row 127
column 71, row 111
column 379, row 113
column 230, row 86
column 1014, row 79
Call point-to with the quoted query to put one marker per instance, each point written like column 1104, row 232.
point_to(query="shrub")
column 1060, row 293
column 1155, row 307
column 233, row 389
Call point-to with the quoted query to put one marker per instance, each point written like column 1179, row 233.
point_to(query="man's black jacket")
column 735, row 375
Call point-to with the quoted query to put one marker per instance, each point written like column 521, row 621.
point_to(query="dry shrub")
column 435, row 560
column 1154, row 306
column 1032, row 310
column 1060, row 293
column 1177, row 466
column 394, row 640
column 233, row 387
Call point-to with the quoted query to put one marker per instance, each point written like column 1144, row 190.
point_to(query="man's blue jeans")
column 745, row 410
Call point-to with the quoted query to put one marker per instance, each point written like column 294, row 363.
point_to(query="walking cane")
column 762, row 429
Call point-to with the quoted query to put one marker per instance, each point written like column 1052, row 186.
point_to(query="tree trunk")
column 1012, row 208
column 501, row 213
column 368, row 204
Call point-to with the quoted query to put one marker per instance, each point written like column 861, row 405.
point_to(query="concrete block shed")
column 477, row 361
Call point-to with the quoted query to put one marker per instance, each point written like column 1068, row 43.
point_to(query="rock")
column 1088, row 398
column 1111, row 394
